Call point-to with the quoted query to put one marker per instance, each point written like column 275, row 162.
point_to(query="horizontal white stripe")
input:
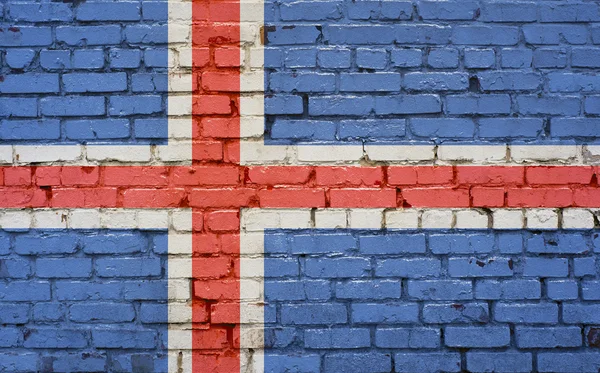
column 255, row 152
column 256, row 220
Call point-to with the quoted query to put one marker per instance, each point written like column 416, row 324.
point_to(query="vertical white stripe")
column 252, row 309
column 179, row 272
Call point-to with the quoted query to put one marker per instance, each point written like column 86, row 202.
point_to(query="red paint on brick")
column 436, row 197
column 559, row 175
column 140, row 176
column 362, row 198
column 218, row 221
column 278, row 175
column 84, row 197
column 587, row 197
column 205, row 175
column 210, row 339
column 11, row 197
column 349, row 176
column 207, row 151
column 206, row 243
column 487, row 197
column 153, row 198
column 292, row 197
column 220, row 127
column 225, row 197
column 490, row 175
column 47, row 176
column 216, row 104
column 225, row 313
column 17, row 176
column 210, row 268
column 71, row 175
column 435, row 175
column 217, row 289
column 539, row 197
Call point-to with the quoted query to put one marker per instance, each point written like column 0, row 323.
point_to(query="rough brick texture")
column 64, row 308
column 478, row 289
column 489, row 72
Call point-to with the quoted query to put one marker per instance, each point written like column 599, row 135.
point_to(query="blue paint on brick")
column 62, row 302
column 90, row 57
column 363, row 293
column 469, row 54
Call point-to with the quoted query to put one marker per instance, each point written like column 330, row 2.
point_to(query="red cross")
column 216, row 186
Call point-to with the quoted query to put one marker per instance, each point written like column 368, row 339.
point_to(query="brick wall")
column 436, row 163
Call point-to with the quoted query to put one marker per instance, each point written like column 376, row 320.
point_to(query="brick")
column 427, row 362
column 362, row 197
column 539, row 197
column 337, row 338
column 369, row 362
column 442, row 197
column 89, row 35
column 499, row 362
column 388, row 313
column 436, row 81
column 467, row 313
column 56, row 338
column 374, row 59
column 451, row 11
column 313, row 314
column 483, row 104
column 23, row 36
column 101, row 312
column 288, row 197
column 440, row 290
column 478, row 337
column 392, row 244
column 568, row 362
column 548, row 337
column 407, row 337
column 485, row 35
column 542, row 313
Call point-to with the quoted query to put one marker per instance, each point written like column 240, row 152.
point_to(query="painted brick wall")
column 496, row 72
column 435, row 161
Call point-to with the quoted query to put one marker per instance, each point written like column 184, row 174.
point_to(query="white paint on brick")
column 366, row 218
column 577, row 219
column 251, row 126
column 176, row 151
column 254, row 152
column 47, row 153
column 84, row 218
column 400, row 153
column 331, row 218
column 570, row 154
column 437, row 218
column 473, row 154
column 508, row 219
column 181, row 221
column 402, row 219
column 411, row 154
column 153, row 219
column 50, row 219
column 328, row 153
column 542, row 218
column 6, row 154
column 116, row 153
column 471, row 219
column 17, row 219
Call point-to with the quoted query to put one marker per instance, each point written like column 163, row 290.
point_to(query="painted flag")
column 299, row 186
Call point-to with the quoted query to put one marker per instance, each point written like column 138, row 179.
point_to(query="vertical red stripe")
column 216, row 93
